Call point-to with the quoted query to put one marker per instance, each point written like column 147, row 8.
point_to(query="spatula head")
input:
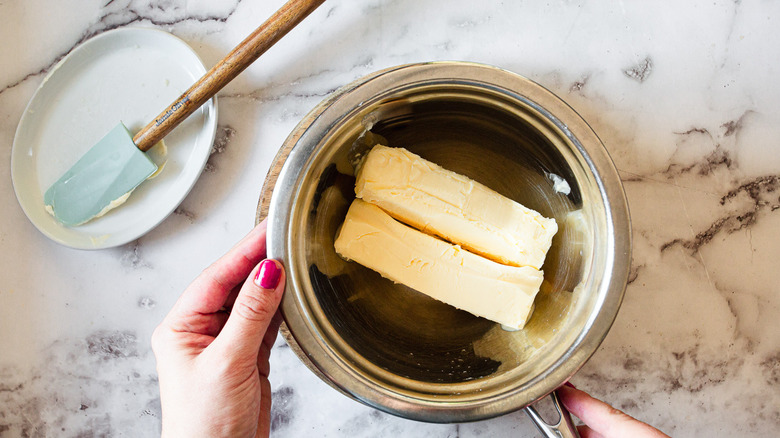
column 112, row 168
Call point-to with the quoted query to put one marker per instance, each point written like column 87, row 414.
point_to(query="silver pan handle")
column 564, row 428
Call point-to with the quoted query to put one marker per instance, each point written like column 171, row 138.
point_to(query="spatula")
column 118, row 163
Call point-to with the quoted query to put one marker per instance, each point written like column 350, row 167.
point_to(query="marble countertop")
column 684, row 95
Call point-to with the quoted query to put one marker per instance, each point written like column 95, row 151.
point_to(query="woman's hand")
column 601, row 419
column 212, row 349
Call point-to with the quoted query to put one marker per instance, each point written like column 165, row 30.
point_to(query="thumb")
column 253, row 310
column 602, row 418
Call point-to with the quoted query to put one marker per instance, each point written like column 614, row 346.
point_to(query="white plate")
column 127, row 75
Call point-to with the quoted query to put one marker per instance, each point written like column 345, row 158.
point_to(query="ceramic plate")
column 128, row 75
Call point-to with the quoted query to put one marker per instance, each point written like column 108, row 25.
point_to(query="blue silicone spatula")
column 118, row 163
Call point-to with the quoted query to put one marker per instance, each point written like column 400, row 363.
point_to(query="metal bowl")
column 393, row 348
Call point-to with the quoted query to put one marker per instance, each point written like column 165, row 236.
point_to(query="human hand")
column 601, row 419
column 213, row 364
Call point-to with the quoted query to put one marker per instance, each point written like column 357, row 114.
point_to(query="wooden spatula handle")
column 265, row 36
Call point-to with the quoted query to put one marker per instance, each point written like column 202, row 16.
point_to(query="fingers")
column 586, row 432
column 208, row 293
column 269, row 339
column 204, row 324
column 264, row 418
column 603, row 419
column 253, row 312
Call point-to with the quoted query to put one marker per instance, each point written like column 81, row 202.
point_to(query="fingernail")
column 268, row 275
column 569, row 384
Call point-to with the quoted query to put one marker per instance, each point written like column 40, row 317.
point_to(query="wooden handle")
column 265, row 36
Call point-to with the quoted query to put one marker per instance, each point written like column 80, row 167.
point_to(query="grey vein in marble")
column 221, row 142
column 641, row 71
column 760, row 192
column 77, row 388
column 118, row 14
column 131, row 257
column 185, row 213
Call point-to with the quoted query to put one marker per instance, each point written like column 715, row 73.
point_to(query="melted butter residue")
column 159, row 155
column 559, row 184
column 512, row 348
column 113, row 204
column 97, row 241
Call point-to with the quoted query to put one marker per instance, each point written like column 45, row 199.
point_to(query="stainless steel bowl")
column 400, row 351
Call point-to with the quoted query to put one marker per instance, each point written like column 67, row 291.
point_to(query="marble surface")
column 684, row 95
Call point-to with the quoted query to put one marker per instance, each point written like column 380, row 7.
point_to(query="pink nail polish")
column 268, row 275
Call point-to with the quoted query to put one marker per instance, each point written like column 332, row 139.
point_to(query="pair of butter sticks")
column 489, row 263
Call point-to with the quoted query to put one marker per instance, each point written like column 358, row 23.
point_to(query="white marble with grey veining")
column 685, row 96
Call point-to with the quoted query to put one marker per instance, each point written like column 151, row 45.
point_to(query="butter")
column 114, row 204
column 159, row 155
column 560, row 185
column 111, row 205
column 454, row 207
column 446, row 272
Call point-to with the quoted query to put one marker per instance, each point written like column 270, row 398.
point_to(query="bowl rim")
column 288, row 167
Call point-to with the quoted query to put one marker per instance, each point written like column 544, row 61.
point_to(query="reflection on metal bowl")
column 398, row 350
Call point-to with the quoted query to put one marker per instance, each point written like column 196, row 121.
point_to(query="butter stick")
column 454, row 207
column 441, row 270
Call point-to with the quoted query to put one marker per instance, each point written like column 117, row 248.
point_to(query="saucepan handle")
column 564, row 428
